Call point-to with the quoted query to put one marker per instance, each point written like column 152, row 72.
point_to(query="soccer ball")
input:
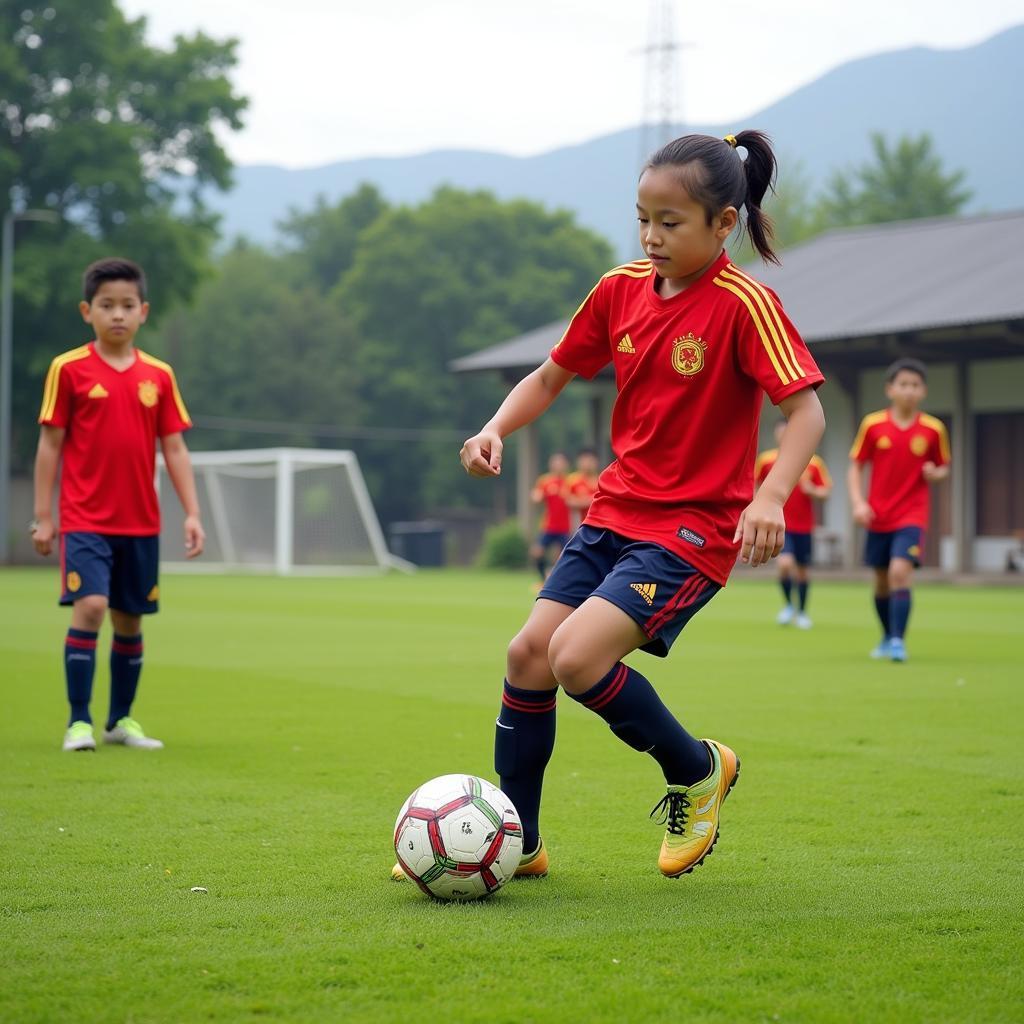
column 458, row 837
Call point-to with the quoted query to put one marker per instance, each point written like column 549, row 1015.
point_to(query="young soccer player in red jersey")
column 798, row 548
column 104, row 406
column 907, row 450
column 550, row 491
column 694, row 342
column 581, row 485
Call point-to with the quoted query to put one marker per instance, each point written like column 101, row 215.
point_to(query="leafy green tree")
column 119, row 138
column 903, row 181
column 257, row 346
column 795, row 215
column 430, row 283
column 325, row 238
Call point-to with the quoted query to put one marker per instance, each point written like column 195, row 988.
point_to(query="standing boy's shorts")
column 800, row 546
column 547, row 539
column 657, row 589
column 884, row 545
column 121, row 568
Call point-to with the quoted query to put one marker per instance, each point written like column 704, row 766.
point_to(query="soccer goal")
column 281, row 510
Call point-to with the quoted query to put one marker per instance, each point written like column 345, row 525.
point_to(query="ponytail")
column 760, row 169
column 715, row 176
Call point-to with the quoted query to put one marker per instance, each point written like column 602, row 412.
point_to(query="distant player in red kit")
column 694, row 343
column 798, row 548
column 907, row 450
column 550, row 491
column 105, row 405
column 581, row 485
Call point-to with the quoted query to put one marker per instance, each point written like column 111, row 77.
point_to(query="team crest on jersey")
column 149, row 394
column 918, row 444
column 884, row 442
column 688, row 355
column 74, row 582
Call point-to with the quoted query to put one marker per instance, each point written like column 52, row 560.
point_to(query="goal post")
column 288, row 511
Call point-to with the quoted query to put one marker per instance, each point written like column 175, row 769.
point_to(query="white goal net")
column 283, row 510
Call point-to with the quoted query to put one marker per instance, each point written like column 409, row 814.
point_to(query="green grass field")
column 869, row 867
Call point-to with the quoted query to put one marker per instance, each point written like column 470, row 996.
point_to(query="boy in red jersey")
column 549, row 491
column 907, row 451
column 104, row 406
column 581, row 485
column 798, row 548
column 694, row 343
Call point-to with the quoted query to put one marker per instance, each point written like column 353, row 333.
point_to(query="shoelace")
column 672, row 812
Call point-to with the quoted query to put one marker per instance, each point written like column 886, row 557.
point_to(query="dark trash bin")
column 421, row 543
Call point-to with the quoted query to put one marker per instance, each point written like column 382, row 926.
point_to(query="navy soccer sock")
column 542, row 568
column 899, row 613
column 882, row 608
column 787, row 588
column 636, row 714
column 801, row 595
column 125, row 667
column 524, row 737
column 79, row 669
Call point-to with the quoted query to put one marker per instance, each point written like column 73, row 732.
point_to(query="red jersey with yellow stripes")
column 551, row 489
column 898, row 492
column 111, row 419
column 799, row 509
column 690, row 372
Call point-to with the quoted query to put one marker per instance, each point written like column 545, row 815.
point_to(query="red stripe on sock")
column 612, row 691
column 128, row 649
column 532, row 707
column 76, row 641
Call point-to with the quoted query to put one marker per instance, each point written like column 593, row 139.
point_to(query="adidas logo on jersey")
column 626, row 345
column 99, row 391
column 646, row 591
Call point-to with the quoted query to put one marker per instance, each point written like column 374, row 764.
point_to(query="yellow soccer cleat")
column 533, row 865
column 690, row 814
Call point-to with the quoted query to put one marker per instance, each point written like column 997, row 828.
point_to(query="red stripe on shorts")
column 689, row 592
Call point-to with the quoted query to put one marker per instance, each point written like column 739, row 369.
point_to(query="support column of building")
column 527, row 471
column 962, row 480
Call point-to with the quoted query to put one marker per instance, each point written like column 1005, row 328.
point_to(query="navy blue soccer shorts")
column 547, row 539
column 657, row 589
column 121, row 568
column 800, row 546
column 884, row 545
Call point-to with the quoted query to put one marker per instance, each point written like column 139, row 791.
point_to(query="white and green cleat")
column 79, row 737
column 128, row 733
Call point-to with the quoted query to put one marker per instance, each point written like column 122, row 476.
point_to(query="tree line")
column 343, row 333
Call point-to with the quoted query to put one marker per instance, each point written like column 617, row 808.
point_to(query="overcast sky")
column 332, row 79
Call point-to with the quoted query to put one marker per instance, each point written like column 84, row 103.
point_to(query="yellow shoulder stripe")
column 785, row 371
column 52, row 385
column 866, row 424
column 940, row 428
column 166, row 367
column 770, row 314
column 768, row 456
column 819, row 463
column 578, row 311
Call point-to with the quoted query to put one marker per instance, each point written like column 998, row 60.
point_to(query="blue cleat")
column 897, row 649
column 882, row 651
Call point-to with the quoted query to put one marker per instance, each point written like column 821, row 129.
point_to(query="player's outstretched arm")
column 179, row 469
column 51, row 440
column 762, row 526
column 481, row 454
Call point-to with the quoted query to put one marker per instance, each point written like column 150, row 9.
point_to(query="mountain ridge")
column 963, row 98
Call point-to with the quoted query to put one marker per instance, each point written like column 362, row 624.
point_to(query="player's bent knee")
column 90, row 610
column 572, row 665
column 526, row 659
